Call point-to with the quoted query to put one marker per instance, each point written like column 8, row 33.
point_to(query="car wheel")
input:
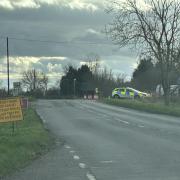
column 116, row 96
column 136, row 97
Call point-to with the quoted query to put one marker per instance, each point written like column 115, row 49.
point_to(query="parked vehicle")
column 127, row 92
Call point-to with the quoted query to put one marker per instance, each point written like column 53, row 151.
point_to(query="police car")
column 127, row 92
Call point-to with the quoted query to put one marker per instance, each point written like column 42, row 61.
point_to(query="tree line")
column 147, row 75
column 75, row 82
column 152, row 26
column 83, row 80
column 90, row 76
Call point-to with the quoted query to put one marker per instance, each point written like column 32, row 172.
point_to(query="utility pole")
column 7, row 40
column 8, row 65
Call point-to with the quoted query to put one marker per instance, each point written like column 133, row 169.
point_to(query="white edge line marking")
column 90, row 176
column 41, row 117
column 75, row 157
column 82, row 165
column 106, row 161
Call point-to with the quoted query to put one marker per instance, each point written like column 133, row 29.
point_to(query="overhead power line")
column 56, row 42
column 41, row 41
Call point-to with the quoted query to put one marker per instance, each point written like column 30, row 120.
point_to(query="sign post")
column 10, row 111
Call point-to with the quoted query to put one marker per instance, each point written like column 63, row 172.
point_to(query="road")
column 107, row 143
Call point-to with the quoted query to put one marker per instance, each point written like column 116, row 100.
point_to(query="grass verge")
column 152, row 107
column 29, row 141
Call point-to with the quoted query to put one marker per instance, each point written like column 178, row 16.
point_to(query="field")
column 147, row 105
column 29, row 141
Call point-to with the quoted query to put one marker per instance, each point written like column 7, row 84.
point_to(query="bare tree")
column 151, row 25
column 93, row 62
column 33, row 80
column 28, row 80
column 42, row 80
column 121, row 77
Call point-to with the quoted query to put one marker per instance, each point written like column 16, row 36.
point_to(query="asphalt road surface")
column 104, row 142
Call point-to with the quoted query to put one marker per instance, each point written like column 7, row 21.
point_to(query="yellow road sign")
column 10, row 110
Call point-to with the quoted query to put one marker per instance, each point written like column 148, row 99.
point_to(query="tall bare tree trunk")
column 166, row 88
column 167, row 97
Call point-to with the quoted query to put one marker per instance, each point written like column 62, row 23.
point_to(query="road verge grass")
column 29, row 141
column 145, row 105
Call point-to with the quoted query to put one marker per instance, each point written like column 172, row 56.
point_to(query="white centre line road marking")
column 82, row 165
column 106, row 162
column 125, row 122
column 75, row 157
column 67, row 147
column 141, row 126
column 90, row 176
column 72, row 152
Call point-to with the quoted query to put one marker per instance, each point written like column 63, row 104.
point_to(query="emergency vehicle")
column 127, row 92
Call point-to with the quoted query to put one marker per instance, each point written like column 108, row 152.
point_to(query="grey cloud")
column 89, row 5
column 90, row 37
column 56, row 65
column 48, row 23
column 61, row 24
column 65, row 16
column 120, row 64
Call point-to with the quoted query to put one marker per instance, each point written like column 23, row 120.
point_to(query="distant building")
column 174, row 90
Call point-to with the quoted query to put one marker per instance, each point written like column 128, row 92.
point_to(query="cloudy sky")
column 67, row 31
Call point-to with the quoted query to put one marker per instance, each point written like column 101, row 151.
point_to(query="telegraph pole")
column 8, row 65
column 7, row 39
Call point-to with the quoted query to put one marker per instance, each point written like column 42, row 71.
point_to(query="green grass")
column 146, row 105
column 29, row 141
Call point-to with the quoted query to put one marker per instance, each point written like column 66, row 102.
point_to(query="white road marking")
column 90, row 176
column 72, row 152
column 125, row 122
column 67, row 147
column 75, row 157
column 141, row 126
column 82, row 165
column 42, row 118
column 106, row 162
